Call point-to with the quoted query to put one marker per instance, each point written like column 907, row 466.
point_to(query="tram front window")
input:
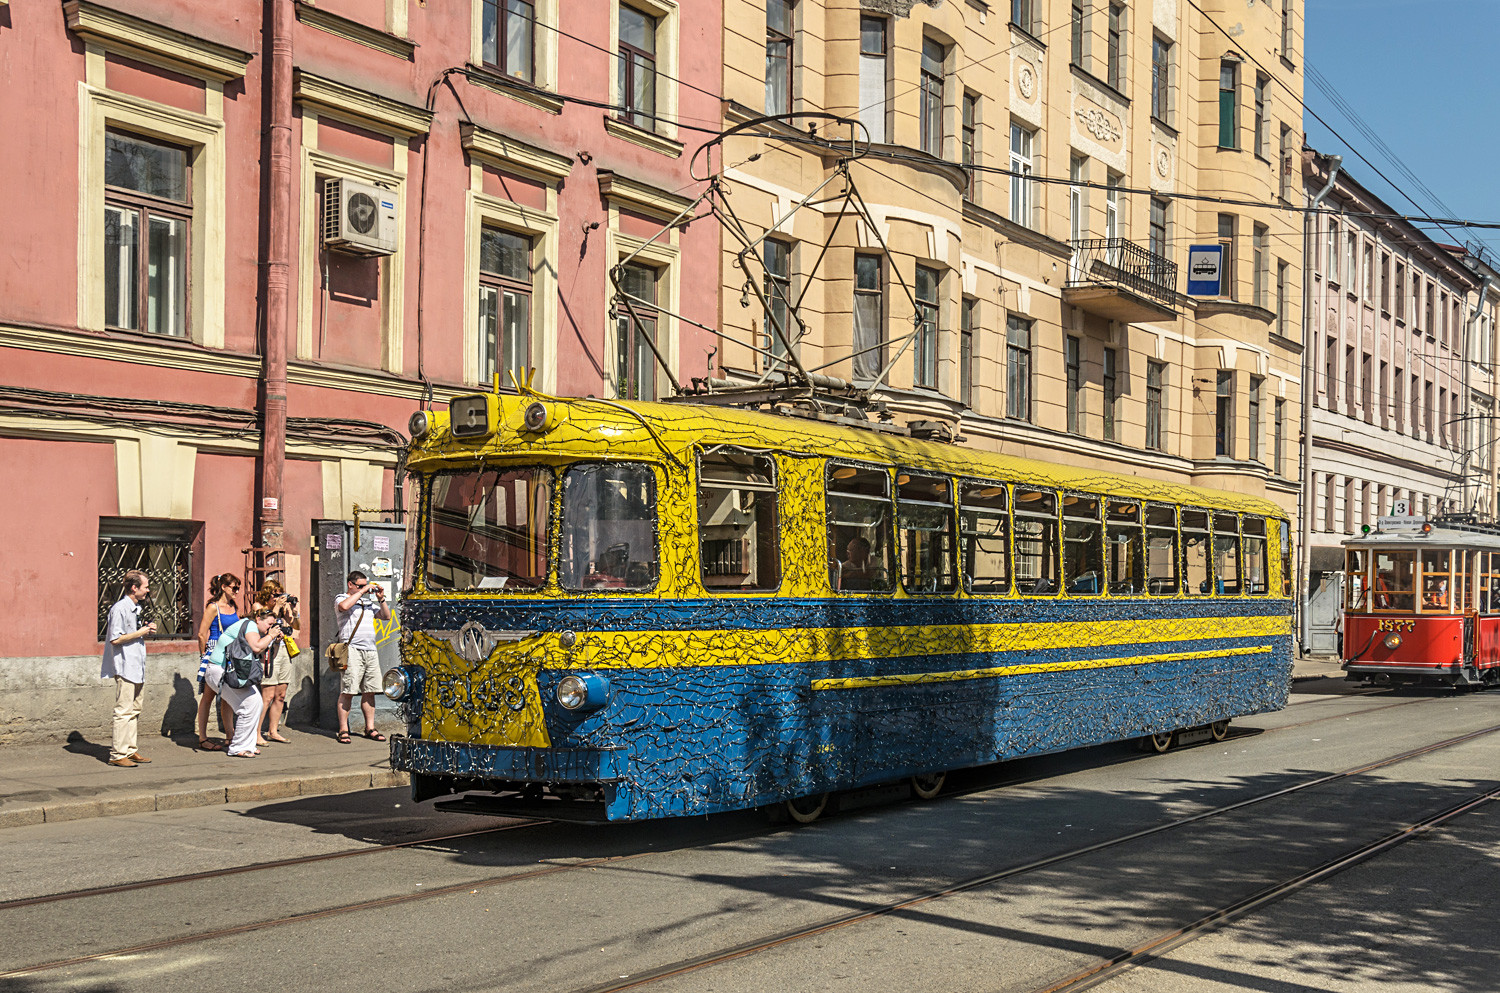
column 1394, row 583
column 487, row 530
column 1437, row 581
column 608, row 528
column 1354, row 580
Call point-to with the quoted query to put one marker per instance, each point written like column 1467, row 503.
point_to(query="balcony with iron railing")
column 1120, row 280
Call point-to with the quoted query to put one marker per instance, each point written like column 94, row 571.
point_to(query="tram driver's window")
column 1257, row 566
column 1394, row 581
column 924, row 508
column 1197, row 577
column 1083, row 546
column 984, row 531
column 608, row 528
column 1124, row 545
column 1489, row 583
column 738, row 523
column 1437, row 580
column 488, row 530
column 859, row 529
column 1036, row 542
column 1227, row 554
column 1162, row 557
column 1354, row 580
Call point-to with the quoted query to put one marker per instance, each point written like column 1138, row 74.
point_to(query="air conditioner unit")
column 359, row 219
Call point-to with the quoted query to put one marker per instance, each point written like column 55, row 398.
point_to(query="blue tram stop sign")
column 1205, row 270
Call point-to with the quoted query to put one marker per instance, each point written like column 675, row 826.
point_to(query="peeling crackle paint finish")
column 719, row 700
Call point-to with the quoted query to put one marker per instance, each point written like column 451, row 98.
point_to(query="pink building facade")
column 462, row 178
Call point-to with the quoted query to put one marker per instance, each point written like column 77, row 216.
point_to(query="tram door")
column 380, row 555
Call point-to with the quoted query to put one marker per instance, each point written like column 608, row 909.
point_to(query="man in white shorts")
column 357, row 612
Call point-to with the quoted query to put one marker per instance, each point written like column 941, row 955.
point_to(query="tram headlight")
column 402, row 682
column 582, row 693
column 1392, row 641
column 419, row 425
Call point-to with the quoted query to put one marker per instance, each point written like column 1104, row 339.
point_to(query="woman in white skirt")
column 243, row 642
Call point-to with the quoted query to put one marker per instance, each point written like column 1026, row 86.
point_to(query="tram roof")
column 667, row 432
column 1441, row 535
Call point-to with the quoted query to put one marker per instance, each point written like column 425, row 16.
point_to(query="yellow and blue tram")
column 622, row 611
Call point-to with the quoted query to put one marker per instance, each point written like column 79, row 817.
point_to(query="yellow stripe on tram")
column 910, row 678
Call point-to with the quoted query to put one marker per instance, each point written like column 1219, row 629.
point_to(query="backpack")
column 242, row 665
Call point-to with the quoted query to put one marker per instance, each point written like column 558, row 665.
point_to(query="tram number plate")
column 1193, row 736
column 491, row 694
column 1391, row 624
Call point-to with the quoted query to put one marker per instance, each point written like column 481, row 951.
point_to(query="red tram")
column 1422, row 604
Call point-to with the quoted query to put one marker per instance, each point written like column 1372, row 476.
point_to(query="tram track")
column 687, row 966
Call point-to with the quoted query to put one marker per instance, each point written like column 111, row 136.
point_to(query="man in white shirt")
column 125, row 661
column 357, row 627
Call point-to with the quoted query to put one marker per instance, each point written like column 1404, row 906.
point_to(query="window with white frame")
column 970, row 141
column 637, row 326
column 1116, row 67
column 874, row 76
column 1161, row 79
column 148, row 213
column 504, row 309
column 1022, row 203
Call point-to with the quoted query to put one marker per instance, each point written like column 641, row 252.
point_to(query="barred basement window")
column 170, row 554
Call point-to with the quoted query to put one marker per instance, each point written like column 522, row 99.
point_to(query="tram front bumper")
column 513, row 765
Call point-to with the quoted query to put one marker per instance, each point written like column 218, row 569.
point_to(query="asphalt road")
column 989, row 888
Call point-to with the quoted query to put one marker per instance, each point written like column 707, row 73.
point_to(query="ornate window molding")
column 350, row 30
column 116, row 31
column 515, row 156
column 361, row 107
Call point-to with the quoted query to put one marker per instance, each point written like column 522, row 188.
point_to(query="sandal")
column 210, row 745
column 277, row 737
column 374, row 735
column 342, row 737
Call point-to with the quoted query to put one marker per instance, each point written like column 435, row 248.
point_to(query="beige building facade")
column 1037, row 170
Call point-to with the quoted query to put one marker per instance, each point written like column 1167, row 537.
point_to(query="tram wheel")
column 929, row 786
column 1219, row 729
column 806, row 809
column 1157, row 743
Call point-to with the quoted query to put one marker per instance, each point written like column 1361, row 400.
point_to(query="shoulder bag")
column 338, row 652
column 242, row 665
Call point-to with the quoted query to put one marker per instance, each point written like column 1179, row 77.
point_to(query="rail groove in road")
column 715, row 958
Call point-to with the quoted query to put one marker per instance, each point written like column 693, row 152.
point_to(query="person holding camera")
column 125, row 662
column 273, row 687
column 240, row 650
column 358, row 609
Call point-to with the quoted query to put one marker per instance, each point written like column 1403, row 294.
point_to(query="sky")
column 1423, row 77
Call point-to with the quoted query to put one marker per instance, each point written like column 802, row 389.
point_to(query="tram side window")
column 1286, row 559
column 1227, row 554
column 1257, row 566
column 924, row 509
column 1197, row 577
column 1124, row 550
column 984, row 533
column 609, row 527
column 738, row 522
column 488, row 530
column 1162, row 558
column 1489, row 583
column 859, row 529
column 1437, row 581
column 1394, row 584
column 1083, row 546
column 1354, row 580
column 1036, row 542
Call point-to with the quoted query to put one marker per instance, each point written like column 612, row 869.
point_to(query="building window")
column 1116, row 71
column 1398, row 291
column 1286, row 29
column 1021, row 185
column 869, row 318
column 1018, row 368
column 1284, row 166
column 1351, row 259
column 1368, row 271
column 1398, row 387
column 1349, row 381
column 1080, row 28
column 1416, row 405
column 970, row 141
column 1229, row 109
column 1023, row 15
column 925, row 348
column 1224, row 415
column 168, row 552
column 1330, row 370
column 933, row 57
column 1282, row 298
column 1111, row 394
column 874, row 50
column 779, row 54
column 504, row 303
column 1078, row 168
column 1278, row 450
column 1260, row 238
column 148, row 214
column 637, row 68
column 777, row 256
column 1112, row 183
column 1075, row 384
column 1429, row 320
column 1226, row 240
column 1158, row 237
column 1260, row 137
column 1366, row 398
column 1256, row 383
column 1385, row 282
column 1161, row 78
column 1382, row 386
column 635, row 362
column 509, row 33
column 966, row 351
column 1156, row 374
column 1331, row 255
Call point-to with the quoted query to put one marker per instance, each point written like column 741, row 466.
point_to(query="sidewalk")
column 70, row 780
column 1315, row 667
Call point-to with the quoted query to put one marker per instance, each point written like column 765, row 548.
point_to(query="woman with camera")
column 279, row 662
column 240, row 649
column 222, row 611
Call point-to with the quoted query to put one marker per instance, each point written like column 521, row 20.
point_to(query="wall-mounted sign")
column 1205, row 270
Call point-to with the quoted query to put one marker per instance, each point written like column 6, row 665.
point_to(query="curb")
column 325, row 784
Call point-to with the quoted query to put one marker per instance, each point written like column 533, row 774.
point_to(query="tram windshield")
column 1355, row 582
column 1394, row 582
column 487, row 530
column 608, row 527
column 1437, row 580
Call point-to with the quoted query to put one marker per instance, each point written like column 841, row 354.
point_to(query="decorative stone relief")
column 1163, row 163
column 1026, row 81
column 899, row 8
column 1098, row 124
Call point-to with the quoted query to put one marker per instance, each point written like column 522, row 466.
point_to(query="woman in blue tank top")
column 222, row 611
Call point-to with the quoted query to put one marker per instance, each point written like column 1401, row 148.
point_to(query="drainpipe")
column 1309, row 356
column 1474, row 315
column 277, row 262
